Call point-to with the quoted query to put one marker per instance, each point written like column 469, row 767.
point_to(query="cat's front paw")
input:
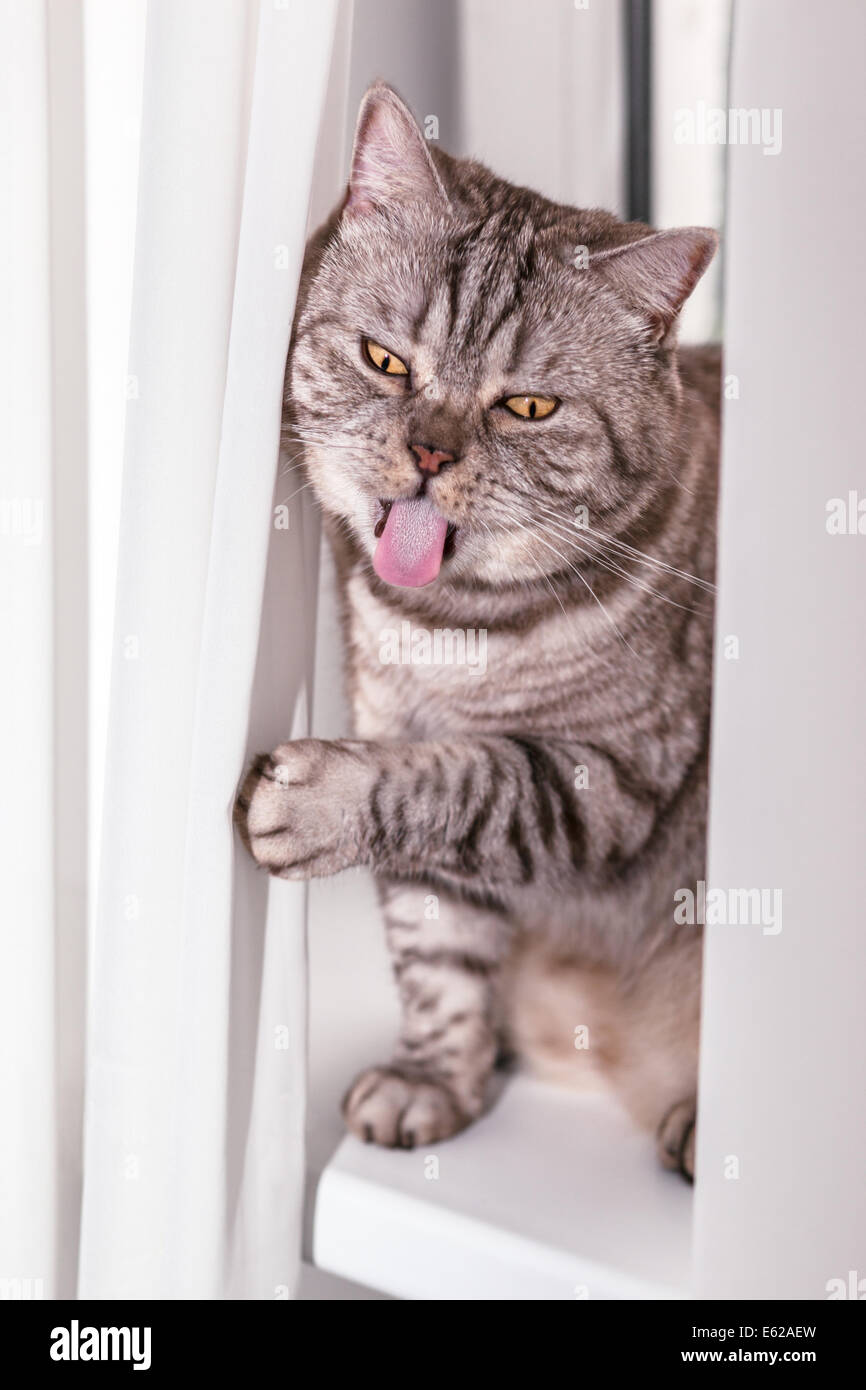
column 296, row 809
column 392, row 1107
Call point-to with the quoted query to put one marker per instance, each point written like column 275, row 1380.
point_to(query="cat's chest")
column 414, row 680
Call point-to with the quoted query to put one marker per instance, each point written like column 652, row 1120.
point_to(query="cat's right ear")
column 390, row 159
column 657, row 273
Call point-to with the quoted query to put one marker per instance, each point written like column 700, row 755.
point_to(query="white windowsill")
column 549, row 1196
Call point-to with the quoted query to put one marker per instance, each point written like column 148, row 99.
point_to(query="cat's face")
column 476, row 396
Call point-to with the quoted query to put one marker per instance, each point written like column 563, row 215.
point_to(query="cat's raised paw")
column 398, row 1110
column 294, row 809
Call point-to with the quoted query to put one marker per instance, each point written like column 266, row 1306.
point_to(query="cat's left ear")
column 390, row 159
column 657, row 274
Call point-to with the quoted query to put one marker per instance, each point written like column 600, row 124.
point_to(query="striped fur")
column 528, row 824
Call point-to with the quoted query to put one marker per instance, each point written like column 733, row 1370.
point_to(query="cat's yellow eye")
column 531, row 407
column 383, row 360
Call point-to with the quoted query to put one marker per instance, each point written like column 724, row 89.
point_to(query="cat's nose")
column 430, row 459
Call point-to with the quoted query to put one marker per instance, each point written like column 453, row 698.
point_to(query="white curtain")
column 192, row 1154
column 29, row 1137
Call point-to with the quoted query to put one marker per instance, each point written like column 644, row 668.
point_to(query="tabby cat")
column 506, row 442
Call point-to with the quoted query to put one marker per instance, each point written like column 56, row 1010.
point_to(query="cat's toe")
column 291, row 814
column 398, row 1110
column 675, row 1139
column 261, row 812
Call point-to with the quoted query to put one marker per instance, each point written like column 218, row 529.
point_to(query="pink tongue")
column 409, row 552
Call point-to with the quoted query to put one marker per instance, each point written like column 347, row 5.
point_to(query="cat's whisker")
column 286, row 500
column 318, row 441
column 612, row 568
column 525, row 583
column 643, row 558
column 627, row 554
column 591, row 533
column 583, row 581
column 680, row 484
column 607, row 563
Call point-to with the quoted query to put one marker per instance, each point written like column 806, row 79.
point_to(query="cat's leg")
column 675, row 1137
column 657, row 1067
column 447, row 958
column 640, row 1031
column 492, row 818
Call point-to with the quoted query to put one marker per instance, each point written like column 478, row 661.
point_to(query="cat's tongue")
column 409, row 552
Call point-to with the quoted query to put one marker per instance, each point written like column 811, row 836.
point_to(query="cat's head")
column 474, row 365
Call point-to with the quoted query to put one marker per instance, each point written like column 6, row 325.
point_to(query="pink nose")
column 430, row 460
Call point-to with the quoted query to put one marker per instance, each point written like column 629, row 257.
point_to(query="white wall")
column 531, row 87
column 542, row 93
column 784, row 1033
column 690, row 40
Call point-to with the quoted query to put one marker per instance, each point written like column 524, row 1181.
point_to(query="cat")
column 504, row 438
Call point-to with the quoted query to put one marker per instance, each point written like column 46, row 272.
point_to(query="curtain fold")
column 29, row 1135
column 193, row 1158
column 43, row 628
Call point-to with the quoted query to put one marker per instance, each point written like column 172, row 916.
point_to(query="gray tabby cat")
column 503, row 437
